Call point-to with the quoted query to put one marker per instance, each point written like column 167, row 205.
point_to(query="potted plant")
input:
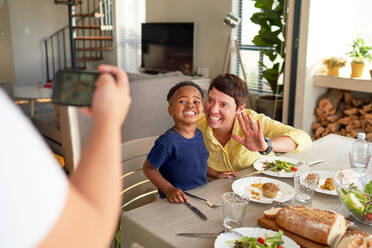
column 334, row 64
column 271, row 19
column 359, row 54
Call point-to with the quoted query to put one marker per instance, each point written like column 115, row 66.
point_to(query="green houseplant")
column 359, row 54
column 271, row 19
column 334, row 64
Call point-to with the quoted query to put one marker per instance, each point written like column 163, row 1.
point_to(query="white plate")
column 259, row 165
column 243, row 187
column 323, row 175
column 253, row 232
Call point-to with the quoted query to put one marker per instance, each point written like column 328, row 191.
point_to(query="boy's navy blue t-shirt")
column 181, row 161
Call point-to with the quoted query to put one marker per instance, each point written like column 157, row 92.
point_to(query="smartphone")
column 74, row 87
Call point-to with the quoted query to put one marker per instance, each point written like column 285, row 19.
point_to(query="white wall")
column 6, row 49
column 210, row 35
column 31, row 21
column 332, row 26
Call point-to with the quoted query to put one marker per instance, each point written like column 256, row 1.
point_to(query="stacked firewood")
column 338, row 112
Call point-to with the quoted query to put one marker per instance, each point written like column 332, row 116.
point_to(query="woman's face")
column 220, row 110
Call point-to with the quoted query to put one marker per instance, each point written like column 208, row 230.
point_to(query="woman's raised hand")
column 253, row 135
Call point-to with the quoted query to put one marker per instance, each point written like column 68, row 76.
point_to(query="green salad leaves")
column 279, row 165
column 267, row 242
column 357, row 201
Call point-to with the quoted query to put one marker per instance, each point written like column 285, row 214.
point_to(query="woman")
column 236, row 137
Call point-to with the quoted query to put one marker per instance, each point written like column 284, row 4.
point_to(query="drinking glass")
column 304, row 185
column 357, row 161
column 234, row 208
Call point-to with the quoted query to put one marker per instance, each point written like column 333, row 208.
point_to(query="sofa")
column 148, row 115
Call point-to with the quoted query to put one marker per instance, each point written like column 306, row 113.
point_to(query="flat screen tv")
column 167, row 47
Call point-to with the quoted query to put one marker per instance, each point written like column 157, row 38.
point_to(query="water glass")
column 304, row 185
column 358, row 161
column 234, row 208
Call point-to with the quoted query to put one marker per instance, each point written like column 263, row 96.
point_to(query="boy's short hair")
column 181, row 84
column 231, row 85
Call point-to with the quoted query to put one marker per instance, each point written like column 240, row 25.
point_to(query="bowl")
column 356, row 196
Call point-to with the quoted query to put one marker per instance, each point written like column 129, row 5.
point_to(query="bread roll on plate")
column 321, row 226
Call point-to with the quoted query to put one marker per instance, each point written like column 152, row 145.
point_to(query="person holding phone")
column 41, row 207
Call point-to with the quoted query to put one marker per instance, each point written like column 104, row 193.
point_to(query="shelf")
column 353, row 84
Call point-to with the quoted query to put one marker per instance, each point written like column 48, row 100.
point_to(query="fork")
column 210, row 204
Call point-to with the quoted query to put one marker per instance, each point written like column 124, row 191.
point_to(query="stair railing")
column 88, row 34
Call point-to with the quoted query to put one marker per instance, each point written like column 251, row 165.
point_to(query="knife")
column 209, row 235
column 197, row 211
column 198, row 235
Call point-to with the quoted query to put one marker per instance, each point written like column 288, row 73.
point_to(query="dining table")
column 157, row 224
column 32, row 94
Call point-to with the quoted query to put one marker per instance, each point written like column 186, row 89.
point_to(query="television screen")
column 167, row 47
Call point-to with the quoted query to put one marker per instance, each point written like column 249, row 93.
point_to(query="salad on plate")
column 358, row 201
column 260, row 242
column 279, row 165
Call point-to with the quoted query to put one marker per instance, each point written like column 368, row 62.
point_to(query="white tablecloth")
column 156, row 224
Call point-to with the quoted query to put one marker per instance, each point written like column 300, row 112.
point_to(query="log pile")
column 339, row 113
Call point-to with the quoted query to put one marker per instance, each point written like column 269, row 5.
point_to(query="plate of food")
column 263, row 189
column 276, row 166
column 326, row 184
column 254, row 237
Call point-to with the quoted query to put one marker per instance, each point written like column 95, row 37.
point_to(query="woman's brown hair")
column 231, row 85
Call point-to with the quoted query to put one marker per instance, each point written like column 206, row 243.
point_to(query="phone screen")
column 74, row 87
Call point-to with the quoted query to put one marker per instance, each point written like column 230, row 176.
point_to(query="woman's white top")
column 33, row 187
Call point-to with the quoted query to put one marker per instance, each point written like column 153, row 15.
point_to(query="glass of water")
column 305, row 184
column 234, row 208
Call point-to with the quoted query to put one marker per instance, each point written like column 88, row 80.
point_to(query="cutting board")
column 304, row 243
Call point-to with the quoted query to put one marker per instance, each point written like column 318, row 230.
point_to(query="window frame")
column 246, row 47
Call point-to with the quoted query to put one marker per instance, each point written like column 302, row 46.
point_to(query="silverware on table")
column 208, row 235
column 197, row 211
column 210, row 204
column 310, row 163
column 198, row 235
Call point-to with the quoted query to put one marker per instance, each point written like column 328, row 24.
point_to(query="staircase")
column 89, row 33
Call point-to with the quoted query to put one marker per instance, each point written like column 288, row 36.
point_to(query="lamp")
column 232, row 21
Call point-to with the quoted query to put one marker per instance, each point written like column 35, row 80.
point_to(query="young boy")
column 178, row 160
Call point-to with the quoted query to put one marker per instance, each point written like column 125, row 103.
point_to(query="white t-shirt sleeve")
column 33, row 187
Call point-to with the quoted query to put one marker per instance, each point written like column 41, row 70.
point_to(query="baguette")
column 321, row 226
column 355, row 239
column 271, row 213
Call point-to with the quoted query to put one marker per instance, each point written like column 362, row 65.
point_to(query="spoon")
column 210, row 204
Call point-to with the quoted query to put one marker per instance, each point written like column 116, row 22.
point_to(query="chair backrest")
column 138, row 190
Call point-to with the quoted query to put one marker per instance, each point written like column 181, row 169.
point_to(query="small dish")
column 244, row 187
column 260, row 166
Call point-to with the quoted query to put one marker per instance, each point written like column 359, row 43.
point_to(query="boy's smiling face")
column 186, row 105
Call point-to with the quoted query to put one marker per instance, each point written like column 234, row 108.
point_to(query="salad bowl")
column 354, row 188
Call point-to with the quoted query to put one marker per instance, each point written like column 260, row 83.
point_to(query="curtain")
column 129, row 16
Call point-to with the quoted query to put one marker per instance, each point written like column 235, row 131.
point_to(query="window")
column 252, row 55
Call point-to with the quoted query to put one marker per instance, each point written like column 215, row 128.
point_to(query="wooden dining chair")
column 137, row 189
